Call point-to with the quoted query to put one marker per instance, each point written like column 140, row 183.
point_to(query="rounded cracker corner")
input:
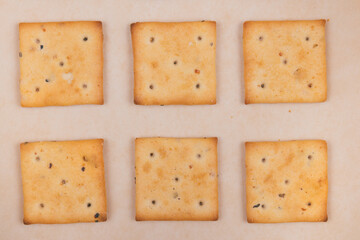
column 104, row 217
column 250, row 220
column 21, row 25
column 98, row 24
column 323, row 141
column 133, row 25
column 323, row 99
column 246, row 23
column 25, row 222
column 210, row 22
column 22, row 104
column 212, row 102
column 138, row 101
column 247, row 144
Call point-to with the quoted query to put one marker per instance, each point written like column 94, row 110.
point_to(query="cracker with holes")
column 174, row 63
column 286, row 181
column 176, row 179
column 63, row 182
column 284, row 61
column 61, row 63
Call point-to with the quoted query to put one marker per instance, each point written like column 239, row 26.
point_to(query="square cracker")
column 61, row 63
column 284, row 61
column 174, row 63
column 63, row 182
column 176, row 179
column 286, row 181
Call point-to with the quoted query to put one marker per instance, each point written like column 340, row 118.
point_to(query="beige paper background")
column 119, row 121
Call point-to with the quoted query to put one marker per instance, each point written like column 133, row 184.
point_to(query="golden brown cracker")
column 286, row 181
column 61, row 63
column 176, row 179
column 174, row 63
column 63, row 182
column 284, row 61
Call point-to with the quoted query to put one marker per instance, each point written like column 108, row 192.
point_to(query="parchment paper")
column 119, row 121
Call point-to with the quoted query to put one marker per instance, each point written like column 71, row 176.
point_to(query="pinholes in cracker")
column 63, row 182
column 284, row 61
column 176, row 179
column 61, row 63
column 174, row 63
column 286, row 181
